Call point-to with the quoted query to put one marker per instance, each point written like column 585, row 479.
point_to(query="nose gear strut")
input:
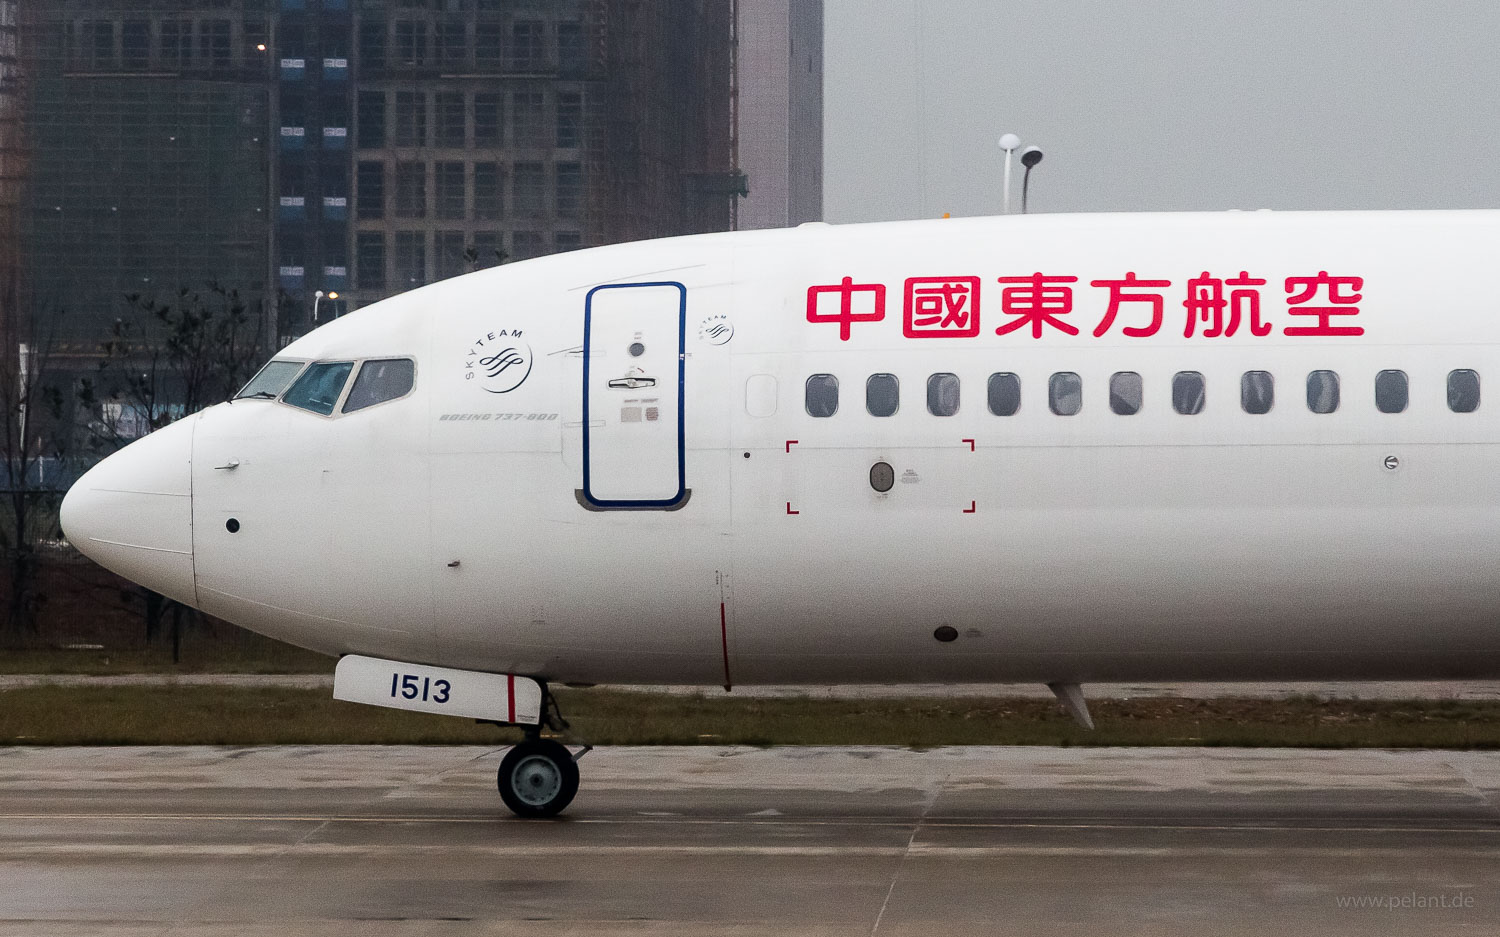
column 539, row 777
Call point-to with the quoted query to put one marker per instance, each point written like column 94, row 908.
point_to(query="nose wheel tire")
column 538, row 778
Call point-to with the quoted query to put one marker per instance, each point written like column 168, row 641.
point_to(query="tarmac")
column 1416, row 689
column 386, row 841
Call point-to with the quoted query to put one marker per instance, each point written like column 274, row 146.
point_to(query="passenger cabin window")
column 1322, row 391
column 1257, row 392
column 1125, row 393
column 1004, row 393
column 1463, row 391
column 1065, row 393
column 942, row 394
column 381, row 380
column 1187, row 392
column 822, row 395
column 273, row 379
column 882, row 394
column 1391, row 391
column 319, row 386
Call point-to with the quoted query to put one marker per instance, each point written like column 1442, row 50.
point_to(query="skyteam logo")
column 716, row 330
column 500, row 361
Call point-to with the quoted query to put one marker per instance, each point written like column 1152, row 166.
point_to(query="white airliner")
column 1060, row 449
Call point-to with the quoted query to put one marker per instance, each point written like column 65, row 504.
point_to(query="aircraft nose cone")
column 133, row 512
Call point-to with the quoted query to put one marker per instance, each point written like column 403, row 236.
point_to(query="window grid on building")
column 358, row 121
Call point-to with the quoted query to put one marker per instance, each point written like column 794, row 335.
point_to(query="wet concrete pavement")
column 826, row 841
column 1414, row 689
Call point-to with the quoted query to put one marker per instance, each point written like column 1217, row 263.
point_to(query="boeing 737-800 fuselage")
column 1041, row 448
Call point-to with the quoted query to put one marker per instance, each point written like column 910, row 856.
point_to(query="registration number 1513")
column 411, row 687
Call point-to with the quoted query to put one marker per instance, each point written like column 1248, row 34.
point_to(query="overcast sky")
column 1161, row 104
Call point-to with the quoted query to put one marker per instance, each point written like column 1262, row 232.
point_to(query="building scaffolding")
column 12, row 169
column 294, row 149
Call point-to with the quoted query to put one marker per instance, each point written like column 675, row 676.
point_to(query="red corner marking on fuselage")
column 789, row 509
column 970, row 442
column 971, row 508
column 790, row 443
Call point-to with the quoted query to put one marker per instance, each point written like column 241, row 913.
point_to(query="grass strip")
column 198, row 715
column 254, row 654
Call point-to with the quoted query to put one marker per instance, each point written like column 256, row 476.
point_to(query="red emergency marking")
column 973, row 506
column 790, row 443
column 1330, row 290
column 789, row 509
column 942, row 307
column 510, row 696
column 1037, row 303
column 871, row 304
column 970, row 442
column 1118, row 297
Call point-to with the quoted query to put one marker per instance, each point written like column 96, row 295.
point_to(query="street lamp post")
column 1029, row 158
column 318, row 298
column 25, row 375
column 1008, row 143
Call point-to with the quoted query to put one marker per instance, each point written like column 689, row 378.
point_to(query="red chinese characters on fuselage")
column 1302, row 290
column 1206, row 300
column 1131, row 290
column 942, row 307
column 1214, row 307
column 837, row 304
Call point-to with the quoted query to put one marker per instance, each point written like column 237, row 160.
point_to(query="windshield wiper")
column 261, row 394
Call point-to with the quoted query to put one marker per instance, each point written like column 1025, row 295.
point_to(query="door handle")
column 231, row 464
column 632, row 383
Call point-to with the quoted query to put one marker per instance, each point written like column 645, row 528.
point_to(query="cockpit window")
column 380, row 380
column 271, row 380
column 319, row 386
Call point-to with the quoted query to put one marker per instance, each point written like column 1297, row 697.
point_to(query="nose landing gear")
column 539, row 777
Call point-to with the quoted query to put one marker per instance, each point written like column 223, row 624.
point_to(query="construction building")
column 12, row 164
column 496, row 130
column 297, row 149
column 780, row 119
column 149, row 165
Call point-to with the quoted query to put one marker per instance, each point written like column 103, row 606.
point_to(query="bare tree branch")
column 32, row 431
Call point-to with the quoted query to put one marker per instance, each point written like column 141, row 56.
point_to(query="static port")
column 946, row 633
column 232, row 525
column 637, row 349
